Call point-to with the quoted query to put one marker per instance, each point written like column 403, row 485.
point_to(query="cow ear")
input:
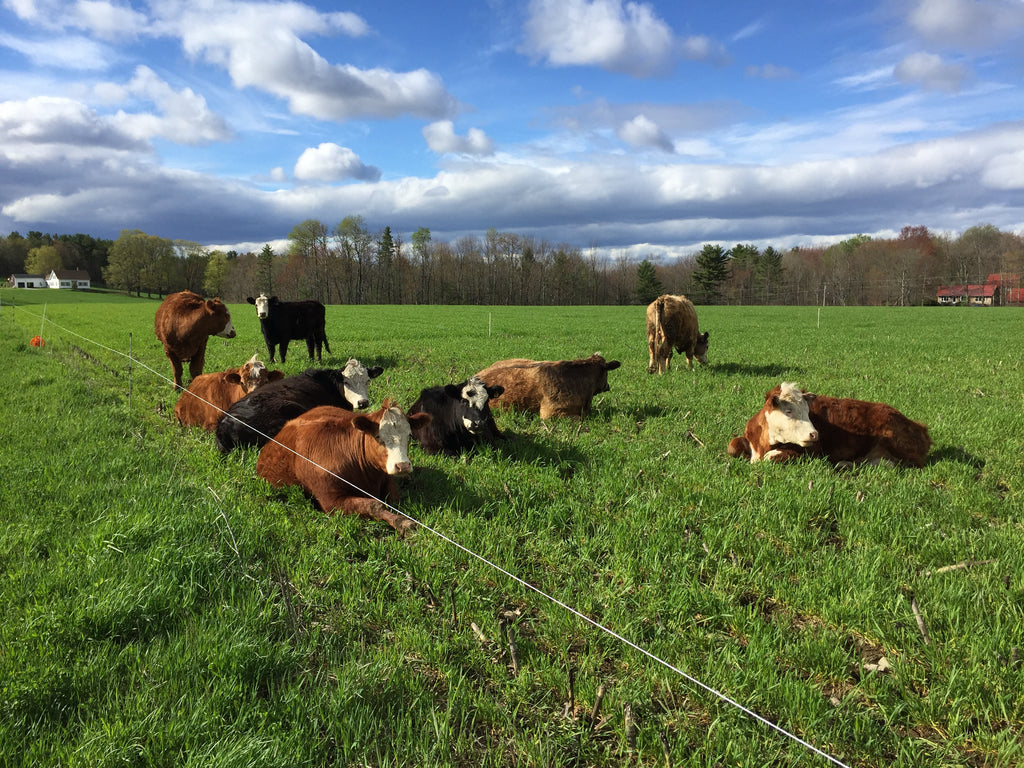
column 367, row 425
column 810, row 397
column 453, row 391
column 250, row 299
column 496, row 391
column 706, row 334
column 232, row 377
column 374, row 372
column 612, row 365
column 419, row 420
column 275, row 375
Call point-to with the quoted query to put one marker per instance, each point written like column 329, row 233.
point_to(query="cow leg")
column 651, row 368
column 270, row 349
column 364, row 507
column 309, row 347
column 283, row 348
column 177, row 368
column 195, row 365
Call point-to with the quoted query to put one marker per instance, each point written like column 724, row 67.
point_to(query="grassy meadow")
column 163, row 606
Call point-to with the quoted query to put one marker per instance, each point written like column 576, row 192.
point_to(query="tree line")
column 350, row 264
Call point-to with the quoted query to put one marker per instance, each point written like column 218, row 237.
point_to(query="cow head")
column 262, row 304
column 700, row 348
column 392, row 430
column 255, row 374
column 216, row 307
column 473, row 397
column 603, row 366
column 356, row 379
column 788, row 418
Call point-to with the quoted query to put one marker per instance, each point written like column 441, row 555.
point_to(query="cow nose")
column 813, row 437
column 363, row 403
column 403, row 468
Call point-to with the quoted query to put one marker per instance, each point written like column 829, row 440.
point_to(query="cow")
column 549, row 387
column 346, row 461
column 845, row 432
column 184, row 323
column 208, row 396
column 461, row 417
column 282, row 321
column 672, row 323
column 259, row 416
column 780, row 430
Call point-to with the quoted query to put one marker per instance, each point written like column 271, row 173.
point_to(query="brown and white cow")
column 184, row 323
column 367, row 451
column 549, row 387
column 208, row 396
column 672, row 324
column 844, row 431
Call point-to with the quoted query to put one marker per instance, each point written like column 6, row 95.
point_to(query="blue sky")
column 636, row 128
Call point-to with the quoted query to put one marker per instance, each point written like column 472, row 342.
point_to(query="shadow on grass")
column 955, row 453
column 755, row 370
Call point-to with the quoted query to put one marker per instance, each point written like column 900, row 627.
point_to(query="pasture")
column 164, row 606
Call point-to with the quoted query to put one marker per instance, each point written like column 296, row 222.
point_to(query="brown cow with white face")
column 672, row 323
column 211, row 394
column 846, row 432
column 780, row 430
column 366, row 451
column 549, row 387
column 184, row 322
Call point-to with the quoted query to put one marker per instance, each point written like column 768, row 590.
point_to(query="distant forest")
column 351, row 265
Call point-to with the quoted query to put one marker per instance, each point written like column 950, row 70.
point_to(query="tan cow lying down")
column 184, row 322
column 793, row 423
column 672, row 323
column 549, row 387
column 367, row 450
column 211, row 394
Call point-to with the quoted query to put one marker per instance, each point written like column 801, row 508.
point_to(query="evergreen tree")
column 769, row 274
column 712, row 271
column 265, row 270
column 648, row 285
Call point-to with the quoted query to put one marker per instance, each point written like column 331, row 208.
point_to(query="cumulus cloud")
column 931, row 72
column 961, row 23
column 260, row 46
column 441, row 138
column 330, row 162
column 183, row 118
column 51, row 120
column 628, row 38
column 642, row 132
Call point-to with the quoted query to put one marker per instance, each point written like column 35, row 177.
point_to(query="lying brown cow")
column 793, row 423
column 549, row 387
column 211, row 394
column 672, row 323
column 367, row 450
column 184, row 322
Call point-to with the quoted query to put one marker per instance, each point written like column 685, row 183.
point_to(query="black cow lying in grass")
column 259, row 416
column 461, row 417
column 282, row 321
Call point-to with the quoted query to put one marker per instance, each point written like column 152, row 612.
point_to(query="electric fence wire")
column 494, row 566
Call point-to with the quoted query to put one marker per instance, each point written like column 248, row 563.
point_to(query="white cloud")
column 184, row 117
column 642, row 132
column 441, row 138
column 931, row 72
column 960, row 23
column 619, row 37
column 330, row 162
column 105, row 20
column 51, row 121
column 770, row 72
column 260, row 46
column 65, row 52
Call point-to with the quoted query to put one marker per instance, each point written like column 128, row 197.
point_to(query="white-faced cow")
column 211, row 394
column 282, row 321
column 259, row 416
column 184, row 322
column 366, row 451
column 672, row 324
column 780, row 430
column 847, row 432
column 460, row 417
column 549, row 387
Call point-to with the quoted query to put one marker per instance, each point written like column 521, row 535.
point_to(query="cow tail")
column 659, row 324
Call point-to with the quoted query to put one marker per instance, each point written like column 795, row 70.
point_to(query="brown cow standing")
column 367, row 450
column 211, row 394
column 846, row 432
column 184, row 322
column 549, row 387
column 672, row 323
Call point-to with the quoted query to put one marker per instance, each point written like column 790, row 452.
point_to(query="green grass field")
column 164, row 606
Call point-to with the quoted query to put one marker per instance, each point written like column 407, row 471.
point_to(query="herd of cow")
column 310, row 435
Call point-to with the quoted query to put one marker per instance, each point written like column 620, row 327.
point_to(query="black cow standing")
column 461, row 417
column 259, row 416
column 282, row 321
